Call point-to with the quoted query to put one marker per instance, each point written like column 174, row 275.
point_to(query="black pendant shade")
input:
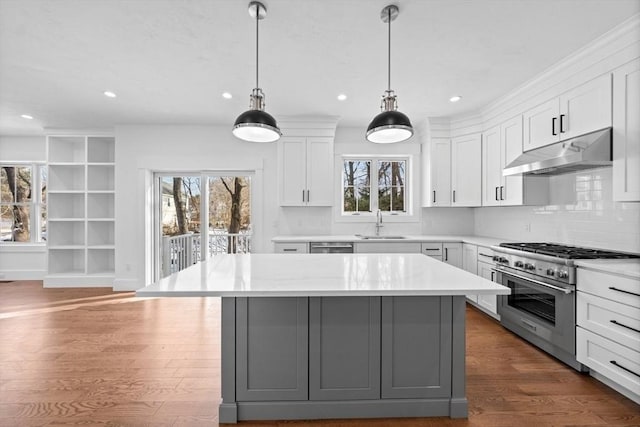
column 389, row 127
column 256, row 126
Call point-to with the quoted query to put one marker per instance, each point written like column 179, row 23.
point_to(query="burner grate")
column 565, row 251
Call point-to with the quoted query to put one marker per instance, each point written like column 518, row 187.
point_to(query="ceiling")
column 169, row 61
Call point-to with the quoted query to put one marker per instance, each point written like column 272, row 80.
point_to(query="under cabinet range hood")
column 591, row 150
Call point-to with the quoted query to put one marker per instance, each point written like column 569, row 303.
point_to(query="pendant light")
column 390, row 125
column 255, row 124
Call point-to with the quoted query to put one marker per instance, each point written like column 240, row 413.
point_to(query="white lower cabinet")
column 488, row 302
column 608, row 328
column 470, row 264
column 452, row 254
column 387, row 247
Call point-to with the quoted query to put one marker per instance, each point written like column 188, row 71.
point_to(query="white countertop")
column 475, row 240
column 624, row 267
column 322, row 275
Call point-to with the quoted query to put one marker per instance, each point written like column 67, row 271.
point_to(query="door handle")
column 496, row 193
column 562, row 123
column 493, row 274
column 446, row 254
column 308, row 198
column 501, row 195
column 454, row 196
column 302, row 196
column 434, row 196
column 553, row 126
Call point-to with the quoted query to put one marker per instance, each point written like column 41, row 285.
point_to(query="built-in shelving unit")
column 81, row 223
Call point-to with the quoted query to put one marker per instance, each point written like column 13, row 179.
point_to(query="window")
column 23, row 215
column 374, row 183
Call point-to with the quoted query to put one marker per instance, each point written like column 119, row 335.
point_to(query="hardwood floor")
column 92, row 357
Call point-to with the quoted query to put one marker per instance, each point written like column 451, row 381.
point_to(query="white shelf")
column 66, row 149
column 80, row 201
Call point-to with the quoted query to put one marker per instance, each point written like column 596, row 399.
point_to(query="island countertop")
column 295, row 275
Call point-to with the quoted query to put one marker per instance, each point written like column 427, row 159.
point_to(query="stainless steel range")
column 541, row 307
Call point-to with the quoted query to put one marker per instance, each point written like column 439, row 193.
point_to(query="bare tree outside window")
column 22, row 204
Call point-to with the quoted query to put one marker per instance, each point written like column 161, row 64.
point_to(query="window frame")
column 364, row 216
column 36, row 203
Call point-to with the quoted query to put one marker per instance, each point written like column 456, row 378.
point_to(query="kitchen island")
column 336, row 335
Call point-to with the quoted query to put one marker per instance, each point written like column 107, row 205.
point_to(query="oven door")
column 542, row 313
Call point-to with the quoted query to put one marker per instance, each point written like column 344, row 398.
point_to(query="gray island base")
column 287, row 358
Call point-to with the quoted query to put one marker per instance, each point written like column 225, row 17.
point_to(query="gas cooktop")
column 566, row 252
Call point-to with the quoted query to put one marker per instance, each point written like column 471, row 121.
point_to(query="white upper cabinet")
column 305, row 171
column 541, row 125
column 626, row 132
column 500, row 146
column 466, row 170
column 491, row 166
column 583, row 109
column 436, row 162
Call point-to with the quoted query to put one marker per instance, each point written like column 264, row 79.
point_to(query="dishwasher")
column 331, row 247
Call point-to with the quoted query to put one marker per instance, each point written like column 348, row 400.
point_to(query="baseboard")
column 122, row 285
column 22, row 275
column 617, row 387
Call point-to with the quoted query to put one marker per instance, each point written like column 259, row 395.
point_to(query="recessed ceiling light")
column 109, row 94
column 342, row 97
column 455, row 98
column 227, row 95
column 26, row 116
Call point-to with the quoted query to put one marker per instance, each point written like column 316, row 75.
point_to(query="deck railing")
column 180, row 252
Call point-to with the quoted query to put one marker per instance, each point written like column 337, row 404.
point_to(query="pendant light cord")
column 257, row 41
column 389, row 53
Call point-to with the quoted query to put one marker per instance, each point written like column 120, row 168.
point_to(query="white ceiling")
column 170, row 60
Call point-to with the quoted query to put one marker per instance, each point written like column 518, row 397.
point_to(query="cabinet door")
column 319, row 172
column 452, row 254
column 292, row 165
column 487, row 302
column 466, row 170
column 470, row 258
column 585, row 108
column 440, row 165
column 272, row 349
column 511, row 192
column 344, row 348
column 491, row 167
column 387, row 248
column 626, row 132
column 541, row 125
column 291, row 248
column 416, row 347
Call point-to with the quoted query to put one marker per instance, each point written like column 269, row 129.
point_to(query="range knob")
column 528, row 266
column 519, row 264
column 551, row 272
column 563, row 274
column 503, row 260
column 496, row 258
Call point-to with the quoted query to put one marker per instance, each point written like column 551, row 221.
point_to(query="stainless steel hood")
column 587, row 151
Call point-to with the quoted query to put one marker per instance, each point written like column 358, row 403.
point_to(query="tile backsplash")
column 581, row 212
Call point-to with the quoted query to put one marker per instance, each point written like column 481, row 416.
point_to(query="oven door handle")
column 537, row 282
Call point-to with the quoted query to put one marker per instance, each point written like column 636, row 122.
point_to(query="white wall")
column 23, row 262
column 581, row 212
column 141, row 150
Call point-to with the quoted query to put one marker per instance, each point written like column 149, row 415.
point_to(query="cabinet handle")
column 615, row 322
column 434, row 196
column 553, row 126
column 488, row 256
column 613, row 362
column 302, row 196
column 501, row 193
column 622, row 290
column 289, row 250
column 308, row 198
column 454, row 196
column 431, row 249
column 493, row 274
column 562, row 123
column 529, row 324
column 496, row 193
column 446, row 254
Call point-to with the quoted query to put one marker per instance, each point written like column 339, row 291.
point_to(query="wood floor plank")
column 92, row 357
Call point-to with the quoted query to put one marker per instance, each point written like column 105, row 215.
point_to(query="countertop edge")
column 302, row 293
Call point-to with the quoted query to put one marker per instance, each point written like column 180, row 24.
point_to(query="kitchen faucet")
column 378, row 222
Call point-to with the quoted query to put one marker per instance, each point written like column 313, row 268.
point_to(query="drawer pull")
column 615, row 322
column 530, row 325
column 613, row 362
column 622, row 290
column 431, row 249
column 289, row 250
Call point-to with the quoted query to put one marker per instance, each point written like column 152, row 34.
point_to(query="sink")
column 370, row 237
